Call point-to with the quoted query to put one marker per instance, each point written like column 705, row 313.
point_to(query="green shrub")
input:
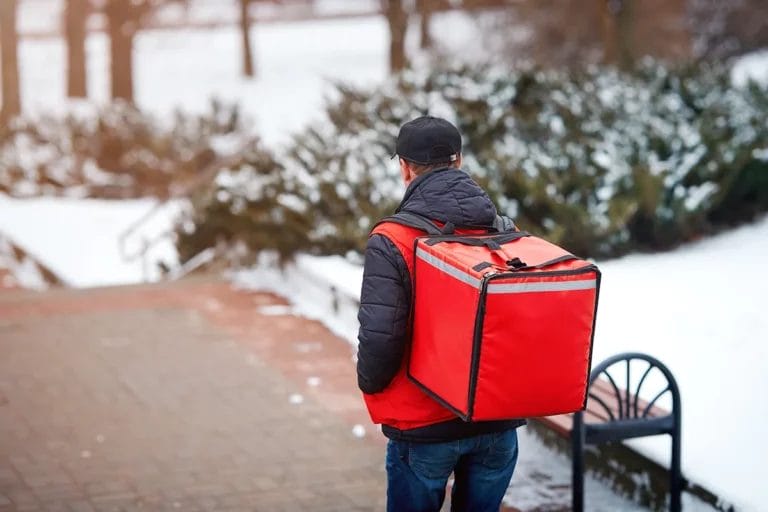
column 600, row 161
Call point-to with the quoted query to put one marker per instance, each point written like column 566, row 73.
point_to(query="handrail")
column 208, row 173
column 198, row 260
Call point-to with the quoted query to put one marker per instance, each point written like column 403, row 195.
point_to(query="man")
column 427, row 442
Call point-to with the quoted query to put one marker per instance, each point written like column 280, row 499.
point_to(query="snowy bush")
column 600, row 161
column 250, row 205
column 116, row 151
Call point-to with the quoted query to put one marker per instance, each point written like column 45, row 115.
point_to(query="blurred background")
column 146, row 141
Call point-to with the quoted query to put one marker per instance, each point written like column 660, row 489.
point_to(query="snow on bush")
column 116, row 151
column 601, row 161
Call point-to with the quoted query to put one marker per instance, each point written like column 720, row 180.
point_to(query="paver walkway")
column 177, row 397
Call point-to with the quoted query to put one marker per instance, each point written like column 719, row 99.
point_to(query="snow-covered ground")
column 79, row 239
column 751, row 67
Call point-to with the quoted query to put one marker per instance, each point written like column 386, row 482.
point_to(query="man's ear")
column 406, row 172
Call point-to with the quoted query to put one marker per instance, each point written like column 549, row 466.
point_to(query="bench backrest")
column 616, row 386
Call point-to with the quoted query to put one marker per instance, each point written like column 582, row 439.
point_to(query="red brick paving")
column 177, row 397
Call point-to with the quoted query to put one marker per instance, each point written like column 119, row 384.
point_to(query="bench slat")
column 595, row 413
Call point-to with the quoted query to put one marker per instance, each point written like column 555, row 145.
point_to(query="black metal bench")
column 616, row 412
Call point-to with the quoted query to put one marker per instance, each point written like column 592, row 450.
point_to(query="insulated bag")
column 502, row 322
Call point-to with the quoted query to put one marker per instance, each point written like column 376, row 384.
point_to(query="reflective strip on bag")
column 543, row 286
column 447, row 268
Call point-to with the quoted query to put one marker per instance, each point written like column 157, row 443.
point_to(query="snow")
column 697, row 309
column 78, row 239
column 753, row 66
column 542, row 476
column 321, row 288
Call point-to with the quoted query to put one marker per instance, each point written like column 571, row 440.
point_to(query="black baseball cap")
column 428, row 140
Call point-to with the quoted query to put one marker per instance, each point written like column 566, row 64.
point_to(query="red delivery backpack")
column 502, row 322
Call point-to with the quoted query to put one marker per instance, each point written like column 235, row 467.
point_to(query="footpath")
column 178, row 397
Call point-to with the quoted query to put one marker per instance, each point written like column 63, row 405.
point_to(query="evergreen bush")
column 600, row 161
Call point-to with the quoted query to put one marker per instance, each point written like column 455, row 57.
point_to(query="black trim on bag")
column 551, row 273
column 482, row 266
column 436, row 397
column 477, row 337
column 599, row 277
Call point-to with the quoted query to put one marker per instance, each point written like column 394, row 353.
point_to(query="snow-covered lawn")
column 79, row 239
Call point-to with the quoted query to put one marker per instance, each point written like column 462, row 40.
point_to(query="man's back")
column 426, row 441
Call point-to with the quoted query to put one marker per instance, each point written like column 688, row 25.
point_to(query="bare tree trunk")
column 618, row 32
column 10, row 61
column 625, row 28
column 425, row 14
column 610, row 52
column 75, row 24
column 398, row 26
column 245, row 29
column 122, row 21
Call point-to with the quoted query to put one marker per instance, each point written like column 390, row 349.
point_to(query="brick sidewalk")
column 177, row 397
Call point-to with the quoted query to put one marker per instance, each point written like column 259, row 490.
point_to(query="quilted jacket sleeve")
column 384, row 311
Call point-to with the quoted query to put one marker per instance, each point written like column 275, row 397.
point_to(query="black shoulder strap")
column 501, row 224
column 414, row 220
column 504, row 224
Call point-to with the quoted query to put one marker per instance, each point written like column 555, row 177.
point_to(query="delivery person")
column 427, row 442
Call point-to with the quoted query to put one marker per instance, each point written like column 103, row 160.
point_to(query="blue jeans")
column 417, row 473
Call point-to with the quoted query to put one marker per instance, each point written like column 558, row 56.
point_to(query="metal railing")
column 208, row 173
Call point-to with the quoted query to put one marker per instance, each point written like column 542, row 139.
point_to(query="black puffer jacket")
column 447, row 195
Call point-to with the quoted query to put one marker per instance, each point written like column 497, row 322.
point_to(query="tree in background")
column 10, row 61
column 123, row 21
column 721, row 30
column 397, row 19
column 75, row 19
column 425, row 14
column 578, row 33
column 245, row 29
column 548, row 32
column 618, row 32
